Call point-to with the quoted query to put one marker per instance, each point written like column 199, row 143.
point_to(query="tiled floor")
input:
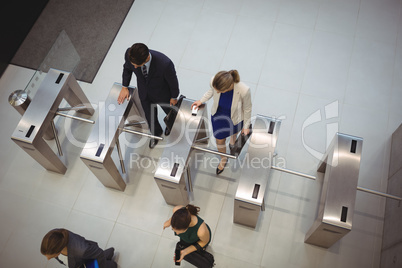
column 341, row 59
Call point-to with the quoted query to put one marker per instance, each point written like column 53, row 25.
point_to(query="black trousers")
column 151, row 114
column 200, row 259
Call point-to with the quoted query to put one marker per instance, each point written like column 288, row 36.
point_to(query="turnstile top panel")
column 111, row 119
column 341, row 165
column 258, row 160
column 42, row 108
column 180, row 141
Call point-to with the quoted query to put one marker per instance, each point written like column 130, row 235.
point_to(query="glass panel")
column 62, row 56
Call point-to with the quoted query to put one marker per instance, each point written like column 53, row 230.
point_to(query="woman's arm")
column 204, row 98
column 207, row 95
column 203, row 235
column 247, row 106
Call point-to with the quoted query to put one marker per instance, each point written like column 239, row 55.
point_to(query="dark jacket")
column 161, row 84
column 80, row 250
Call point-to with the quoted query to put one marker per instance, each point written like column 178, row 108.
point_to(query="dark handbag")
column 200, row 258
column 240, row 142
column 171, row 116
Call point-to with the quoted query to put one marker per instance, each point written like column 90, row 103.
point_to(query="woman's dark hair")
column 182, row 217
column 138, row 53
column 54, row 242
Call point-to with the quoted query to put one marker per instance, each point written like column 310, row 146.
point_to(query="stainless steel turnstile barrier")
column 97, row 152
column 37, row 120
column 249, row 198
column 341, row 164
column 173, row 174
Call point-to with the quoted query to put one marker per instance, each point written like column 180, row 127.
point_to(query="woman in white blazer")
column 231, row 110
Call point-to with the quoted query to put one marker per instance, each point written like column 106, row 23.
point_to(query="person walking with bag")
column 231, row 110
column 75, row 251
column 195, row 236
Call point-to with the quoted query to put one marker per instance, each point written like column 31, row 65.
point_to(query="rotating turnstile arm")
column 77, row 108
column 362, row 189
column 294, row 172
column 379, row 193
column 213, row 152
column 134, row 124
column 141, row 133
column 76, row 117
column 56, row 138
column 123, row 169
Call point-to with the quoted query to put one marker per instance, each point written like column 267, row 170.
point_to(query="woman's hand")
column 182, row 254
column 245, row 131
column 196, row 104
column 166, row 224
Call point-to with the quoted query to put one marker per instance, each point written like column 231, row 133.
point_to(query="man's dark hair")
column 54, row 241
column 138, row 53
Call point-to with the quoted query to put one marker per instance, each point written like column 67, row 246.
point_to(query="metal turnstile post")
column 341, row 164
column 38, row 117
column 249, row 198
column 170, row 174
column 97, row 152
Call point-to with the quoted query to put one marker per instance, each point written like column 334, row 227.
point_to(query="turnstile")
column 38, row 117
column 341, row 164
column 97, row 152
column 172, row 174
column 249, row 198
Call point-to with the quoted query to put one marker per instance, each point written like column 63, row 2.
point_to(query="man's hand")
column 173, row 102
column 124, row 95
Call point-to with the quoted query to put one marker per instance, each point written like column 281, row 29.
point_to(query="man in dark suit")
column 156, row 82
column 75, row 250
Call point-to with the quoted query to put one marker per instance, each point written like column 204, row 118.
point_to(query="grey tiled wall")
column 391, row 255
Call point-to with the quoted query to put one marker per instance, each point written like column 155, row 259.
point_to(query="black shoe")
column 153, row 143
column 109, row 253
column 219, row 171
column 167, row 132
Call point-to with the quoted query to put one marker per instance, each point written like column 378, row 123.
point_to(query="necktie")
column 144, row 71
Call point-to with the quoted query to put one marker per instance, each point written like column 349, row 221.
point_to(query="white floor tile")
column 90, row 227
column 135, row 247
column 268, row 9
column 370, row 74
column 237, row 241
column 338, row 16
column 238, row 55
column 145, row 209
column 286, row 58
column 208, row 42
column 182, row 18
column 328, row 65
column 378, row 20
column 224, row 6
column 280, row 104
column 301, row 13
column 315, row 124
column 39, row 218
column 97, row 200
